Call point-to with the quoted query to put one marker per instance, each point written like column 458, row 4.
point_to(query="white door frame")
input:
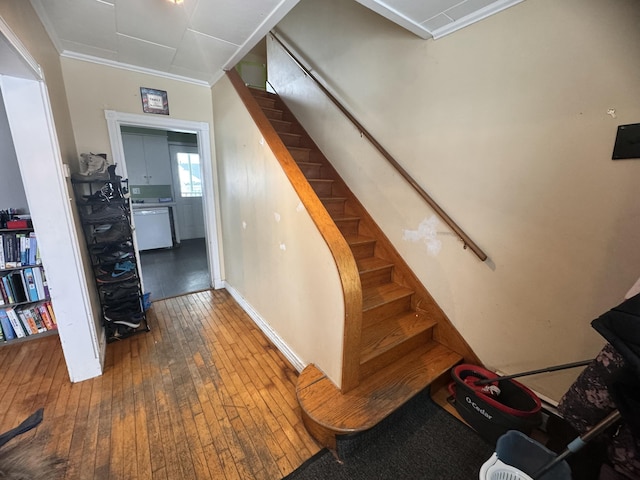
column 43, row 174
column 115, row 120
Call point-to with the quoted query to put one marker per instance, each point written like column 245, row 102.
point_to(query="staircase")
column 406, row 343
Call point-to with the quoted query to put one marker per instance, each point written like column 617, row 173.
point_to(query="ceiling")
column 197, row 40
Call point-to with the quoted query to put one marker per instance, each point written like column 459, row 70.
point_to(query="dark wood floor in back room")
column 202, row 395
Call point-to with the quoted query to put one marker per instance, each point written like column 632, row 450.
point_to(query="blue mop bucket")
column 517, row 457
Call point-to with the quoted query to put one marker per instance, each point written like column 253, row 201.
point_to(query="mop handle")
column 533, row 372
column 579, row 442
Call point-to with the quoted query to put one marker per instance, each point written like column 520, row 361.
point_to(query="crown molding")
column 133, row 68
column 474, row 17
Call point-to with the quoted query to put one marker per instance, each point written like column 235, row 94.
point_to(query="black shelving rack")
column 105, row 212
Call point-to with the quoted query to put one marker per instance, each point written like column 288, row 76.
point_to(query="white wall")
column 505, row 124
column 93, row 88
column 11, row 189
column 274, row 257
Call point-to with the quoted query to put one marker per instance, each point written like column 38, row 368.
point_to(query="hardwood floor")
column 176, row 271
column 202, row 395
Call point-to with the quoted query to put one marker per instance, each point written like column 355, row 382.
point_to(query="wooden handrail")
column 432, row 203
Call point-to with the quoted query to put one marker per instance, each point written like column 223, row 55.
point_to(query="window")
column 190, row 174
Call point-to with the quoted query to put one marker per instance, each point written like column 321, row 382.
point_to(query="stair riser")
column 299, row 155
column 334, row 207
column 262, row 93
column 363, row 250
column 290, row 139
column 322, row 189
column 310, row 171
column 387, row 358
column 266, row 102
column 376, row 277
column 281, row 126
column 348, row 227
column 273, row 114
column 386, row 310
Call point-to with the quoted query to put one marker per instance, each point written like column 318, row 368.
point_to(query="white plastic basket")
column 517, row 456
column 496, row 469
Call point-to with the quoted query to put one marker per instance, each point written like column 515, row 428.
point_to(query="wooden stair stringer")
column 328, row 413
column 340, row 250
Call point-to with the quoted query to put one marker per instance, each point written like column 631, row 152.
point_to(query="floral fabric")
column 588, row 401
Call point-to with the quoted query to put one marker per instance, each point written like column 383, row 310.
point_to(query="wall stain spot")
column 426, row 233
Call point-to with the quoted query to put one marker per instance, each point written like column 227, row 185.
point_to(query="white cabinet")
column 147, row 158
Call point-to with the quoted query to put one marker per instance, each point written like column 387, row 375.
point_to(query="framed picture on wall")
column 154, row 101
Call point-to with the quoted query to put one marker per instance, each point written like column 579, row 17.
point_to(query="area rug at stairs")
column 419, row 441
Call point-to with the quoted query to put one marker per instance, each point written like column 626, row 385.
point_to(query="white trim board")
column 115, row 120
column 29, row 115
column 271, row 334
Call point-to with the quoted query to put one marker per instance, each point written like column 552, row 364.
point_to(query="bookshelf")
column 25, row 303
column 105, row 212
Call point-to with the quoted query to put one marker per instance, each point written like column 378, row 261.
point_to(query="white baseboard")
column 271, row 334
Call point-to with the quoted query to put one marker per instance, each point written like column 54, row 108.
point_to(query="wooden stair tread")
column 332, row 199
column 281, row 126
column 370, row 264
column 345, row 218
column 358, row 239
column 301, row 149
column 376, row 397
column 377, row 295
column 272, row 109
column 380, row 337
column 289, row 134
column 256, row 92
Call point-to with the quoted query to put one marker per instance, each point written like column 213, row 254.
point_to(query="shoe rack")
column 105, row 212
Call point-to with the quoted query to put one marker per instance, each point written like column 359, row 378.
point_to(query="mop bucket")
column 515, row 407
column 518, row 456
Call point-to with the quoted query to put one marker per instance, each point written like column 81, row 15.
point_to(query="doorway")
column 180, row 265
column 199, row 258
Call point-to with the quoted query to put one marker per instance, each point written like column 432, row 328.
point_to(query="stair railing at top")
column 432, row 203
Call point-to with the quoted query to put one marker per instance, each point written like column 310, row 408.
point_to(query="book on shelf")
column 45, row 285
column 51, row 314
column 6, row 329
column 30, row 282
column 28, row 321
column 18, row 328
column 19, row 286
column 10, row 258
column 35, row 313
column 23, row 240
column 7, row 290
column 39, row 281
column 34, row 253
column 46, row 318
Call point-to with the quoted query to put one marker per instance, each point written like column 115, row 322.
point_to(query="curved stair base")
column 328, row 413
